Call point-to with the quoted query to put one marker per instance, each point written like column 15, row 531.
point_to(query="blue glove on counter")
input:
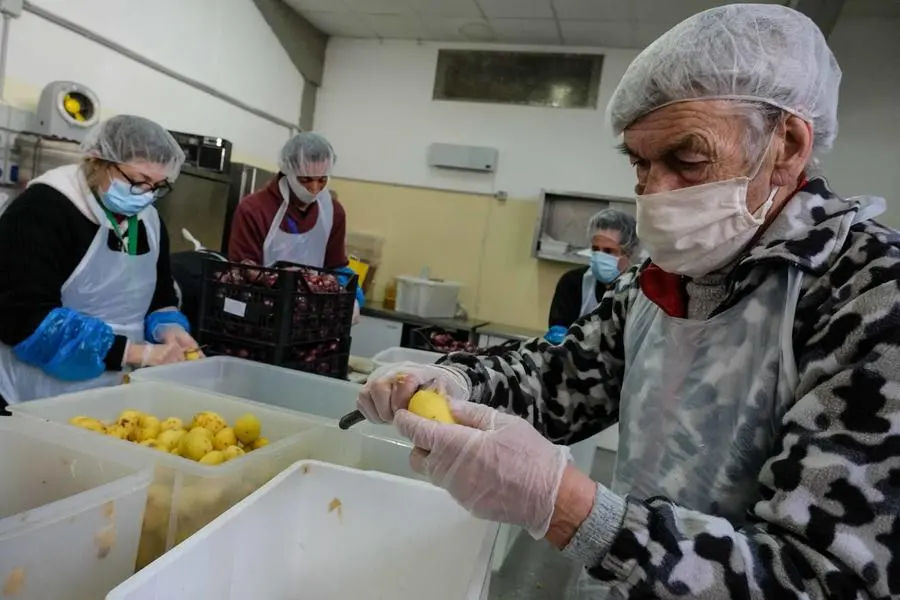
column 556, row 335
column 157, row 321
column 344, row 279
column 68, row 345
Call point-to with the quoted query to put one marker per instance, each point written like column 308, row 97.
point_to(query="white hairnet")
column 128, row 139
column 611, row 219
column 758, row 52
column 307, row 154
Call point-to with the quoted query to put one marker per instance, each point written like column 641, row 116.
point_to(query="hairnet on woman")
column 752, row 365
column 86, row 290
column 614, row 246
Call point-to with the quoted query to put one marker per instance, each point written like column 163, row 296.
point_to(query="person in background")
column 86, row 289
column 578, row 292
column 753, row 366
column 297, row 218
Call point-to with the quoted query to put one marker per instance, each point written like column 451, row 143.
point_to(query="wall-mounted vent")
column 462, row 158
column 546, row 79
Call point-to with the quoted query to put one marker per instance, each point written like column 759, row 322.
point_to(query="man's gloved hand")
column 173, row 334
column 152, row 355
column 495, row 465
column 389, row 388
column 355, row 319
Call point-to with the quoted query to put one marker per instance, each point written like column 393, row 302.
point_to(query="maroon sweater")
column 255, row 213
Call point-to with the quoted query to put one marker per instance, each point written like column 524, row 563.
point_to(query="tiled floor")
column 534, row 570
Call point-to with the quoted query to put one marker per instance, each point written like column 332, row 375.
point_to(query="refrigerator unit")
column 244, row 179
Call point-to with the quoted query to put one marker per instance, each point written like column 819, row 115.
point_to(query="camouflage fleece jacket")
column 826, row 520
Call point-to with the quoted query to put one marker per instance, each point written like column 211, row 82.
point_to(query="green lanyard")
column 132, row 230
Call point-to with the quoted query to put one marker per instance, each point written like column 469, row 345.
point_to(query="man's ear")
column 794, row 153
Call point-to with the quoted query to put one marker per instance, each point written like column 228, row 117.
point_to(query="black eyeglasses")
column 142, row 187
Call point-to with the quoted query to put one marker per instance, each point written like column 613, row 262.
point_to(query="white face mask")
column 696, row 230
column 302, row 194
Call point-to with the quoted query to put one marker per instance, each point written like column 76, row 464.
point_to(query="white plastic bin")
column 185, row 495
column 70, row 520
column 274, row 386
column 326, row 532
column 399, row 355
column 427, row 298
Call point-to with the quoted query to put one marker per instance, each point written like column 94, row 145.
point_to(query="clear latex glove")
column 173, row 334
column 152, row 355
column 355, row 319
column 390, row 387
column 497, row 466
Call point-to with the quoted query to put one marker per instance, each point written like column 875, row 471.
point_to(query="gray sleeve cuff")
column 593, row 539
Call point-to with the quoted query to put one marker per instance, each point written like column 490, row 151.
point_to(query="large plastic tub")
column 399, row 355
column 273, row 386
column 326, row 532
column 185, row 495
column 427, row 297
column 70, row 520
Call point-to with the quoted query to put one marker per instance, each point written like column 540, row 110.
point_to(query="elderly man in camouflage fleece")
column 753, row 364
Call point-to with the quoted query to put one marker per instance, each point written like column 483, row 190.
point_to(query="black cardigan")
column 43, row 237
column 566, row 306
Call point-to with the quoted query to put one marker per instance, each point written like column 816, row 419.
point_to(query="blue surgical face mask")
column 119, row 199
column 604, row 267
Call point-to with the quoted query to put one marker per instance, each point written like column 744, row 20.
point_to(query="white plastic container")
column 325, row 532
column 70, row 520
column 399, row 355
column 274, row 386
column 185, row 495
column 427, row 298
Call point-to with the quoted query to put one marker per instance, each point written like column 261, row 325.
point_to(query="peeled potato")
column 431, row 405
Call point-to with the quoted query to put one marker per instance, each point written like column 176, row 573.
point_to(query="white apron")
column 114, row 287
column 588, row 293
column 702, row 400
column 300, row 248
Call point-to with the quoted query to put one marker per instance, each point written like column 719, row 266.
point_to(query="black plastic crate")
column 437, row 339
column 286, row 304
column 329, row 358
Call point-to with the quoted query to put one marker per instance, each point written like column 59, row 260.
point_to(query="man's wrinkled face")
column 692, row 143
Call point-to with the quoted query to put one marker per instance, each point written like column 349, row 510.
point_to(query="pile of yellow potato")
column 207, row 439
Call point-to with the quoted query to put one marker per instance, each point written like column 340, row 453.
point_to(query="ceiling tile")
column 607, row 34
column 340, row 24
column 526, row 31
column 301, row 6
column 517, row 9
column 401, row 27
column 379, row 7
column 646, row 32
column 653, row 10
column 451, row 29
column 606, row 10
column 446, row 8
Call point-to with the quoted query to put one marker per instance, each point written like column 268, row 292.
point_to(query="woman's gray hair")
column 611, row 219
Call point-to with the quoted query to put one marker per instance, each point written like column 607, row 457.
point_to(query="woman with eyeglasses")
column 86, row 290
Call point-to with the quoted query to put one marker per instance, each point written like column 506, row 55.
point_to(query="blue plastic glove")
column 556, row 335
column 345, row 278
column 68, row 345
column 157, row 322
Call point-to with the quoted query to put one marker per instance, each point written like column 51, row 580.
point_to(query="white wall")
column 375, row 106
column 866, row 157
column 225, row 44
